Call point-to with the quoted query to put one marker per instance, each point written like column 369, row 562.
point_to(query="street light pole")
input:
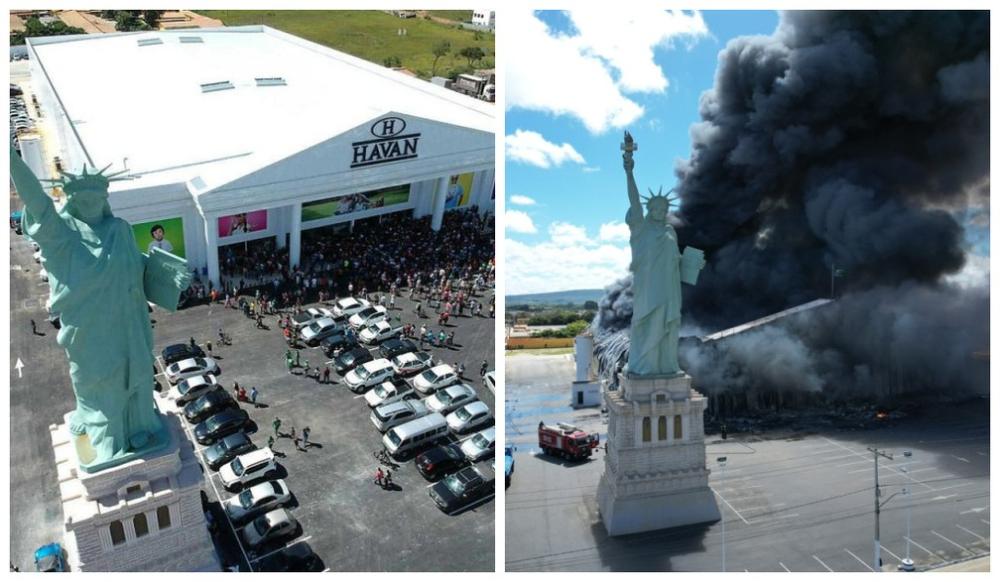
column 907, row 563
column 877, row 565
column 722, row 479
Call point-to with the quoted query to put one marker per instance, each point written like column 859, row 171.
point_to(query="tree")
column 392, row 61
column 128, row 20
column 35, row 27
column 472, row 54
column 440, row 49
column 152, row 17
column 590, row 305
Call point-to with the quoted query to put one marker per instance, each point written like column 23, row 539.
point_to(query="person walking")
column 253, row 396
column 483, row 368
column 277, row 425
column 270, row 443
column 305, row 437
column 388, row 479
column 379, row 475
column 293, row 436
column 208, row 346
column 326, row 375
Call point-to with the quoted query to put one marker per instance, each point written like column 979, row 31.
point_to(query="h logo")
column 388, row 127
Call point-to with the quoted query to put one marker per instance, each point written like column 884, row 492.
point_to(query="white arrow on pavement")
column 18, row 367
column 943, row 497
column 975, row 510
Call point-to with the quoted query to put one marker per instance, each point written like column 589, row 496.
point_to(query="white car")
column 257, row 499
column 448, row 399
column 396, row 413
column 379, row 332
column 468, row 417
column 387, row 392
column 313, row 333
column 190, row 367
column 490, row 380
column 369, row 374
column 194, row 388
column 480, row 445
column 412, row 362
column 367, row 316
column 348, row 306
column 306, row 318
column 430, row 381
column 271, row 526
column 248, row 467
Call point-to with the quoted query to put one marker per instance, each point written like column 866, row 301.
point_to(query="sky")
column 575, row 81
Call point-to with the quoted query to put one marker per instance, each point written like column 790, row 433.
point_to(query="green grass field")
column 372, row 35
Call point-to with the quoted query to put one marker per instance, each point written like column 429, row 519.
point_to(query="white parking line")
column 963, row 548
column 784, row 567
column 912, row 541
column 863, row 563
column 828, row 568
column 888, row 468
column 970, row 532
column 284, row 547
column 764, row 507
column 986, row 521
column 888, row 551
column 963, row 459
column 730, row 506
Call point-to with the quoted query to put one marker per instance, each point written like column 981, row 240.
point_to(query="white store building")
column 238, row 134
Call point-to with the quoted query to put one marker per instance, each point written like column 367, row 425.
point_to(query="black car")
column 347, row 360
column 440, row 461
column 208, row 404
column 338, row 341
column 289, row 560
column 177, row 352
column 228, row 449
column 220, row 425
column 393, row 347
column 463, row 489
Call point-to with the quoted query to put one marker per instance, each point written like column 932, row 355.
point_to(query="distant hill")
column 574, row 297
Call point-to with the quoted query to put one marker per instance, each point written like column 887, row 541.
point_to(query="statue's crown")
column 667, row 199
column 85, row 181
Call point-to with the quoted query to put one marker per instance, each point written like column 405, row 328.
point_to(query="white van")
column 369, row 374
column 416, row 433
column 396, row 413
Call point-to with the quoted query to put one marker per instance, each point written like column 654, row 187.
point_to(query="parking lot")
column 350, row 523
column 790, row 501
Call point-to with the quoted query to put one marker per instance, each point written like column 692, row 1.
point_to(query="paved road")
column 801, row 502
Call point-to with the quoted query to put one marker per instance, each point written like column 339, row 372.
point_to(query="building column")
column 279, row 215
column 212, row 249
column 295, row 240
column 440, row 196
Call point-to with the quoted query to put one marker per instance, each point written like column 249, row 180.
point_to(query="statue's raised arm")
column 634, row 215
column 36, row 201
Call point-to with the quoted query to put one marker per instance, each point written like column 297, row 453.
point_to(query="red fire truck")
column 567, row 441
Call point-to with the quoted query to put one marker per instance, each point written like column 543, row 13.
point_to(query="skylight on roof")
column 270, row 81
column 217, row 86
column 191, row 39
column 149, row 41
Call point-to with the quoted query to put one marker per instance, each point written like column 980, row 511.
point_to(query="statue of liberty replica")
column 655, row 475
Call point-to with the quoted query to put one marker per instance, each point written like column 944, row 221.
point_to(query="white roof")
column 146, row 103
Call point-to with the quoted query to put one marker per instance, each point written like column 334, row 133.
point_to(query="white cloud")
column 591, row 169
column 586, row 73
column 530, row 147
column 569, row 259
column 522, row 200
column 614, row 232
column 518, row 221
column 975, row 273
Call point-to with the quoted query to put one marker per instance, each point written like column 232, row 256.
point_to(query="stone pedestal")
column 142, row 516
column 654, row 471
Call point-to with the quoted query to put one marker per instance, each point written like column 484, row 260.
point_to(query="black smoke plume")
column 854, row 141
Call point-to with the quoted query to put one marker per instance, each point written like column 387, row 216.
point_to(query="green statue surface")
column 658, row 269
column 99, row 285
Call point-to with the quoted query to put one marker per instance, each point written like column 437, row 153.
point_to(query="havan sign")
column 390, row 144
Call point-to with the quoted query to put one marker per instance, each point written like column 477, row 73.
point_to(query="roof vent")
column 149, row 41
column 217, row 86
column 270, row 81
column 191, row 39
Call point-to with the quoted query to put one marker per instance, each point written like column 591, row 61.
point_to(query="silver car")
column 257, row 499
column 271, row 526
column 190, row 367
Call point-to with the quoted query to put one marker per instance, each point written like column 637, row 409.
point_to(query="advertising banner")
column 242, row 223
column 167, row 234
column 459, row 190
column 352, row 203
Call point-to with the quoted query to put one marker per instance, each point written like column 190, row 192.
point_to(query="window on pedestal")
column 678, row 428
column 141, row 525
column 661, row 428
column 647, row 429
column 163, row 516
column 117, row 533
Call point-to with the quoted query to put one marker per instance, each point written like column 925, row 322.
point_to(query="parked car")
column 177, row 352
column 480, row 445
column 470, row 416
column 338, row 341
column 396, row 413
column 318, row 330
column 440, row 461
column 463, row 489
column 391, row 348
column 388, row 391
column 380, row 331
column 273, row 525
column 347, row 360
column 257, row 499
column 291, row 559
column 219, row 425
column 369, row 375
column 208, row 404
column 193, row 388
column 410, row 363
column 490, row 380
column 348, row 306
column 301, row 320
column 228, row 449
column 430, row 381
column 49, row 558
column 508, row 464
column 190, row 367
column 368, row 316
column 448, row 399
column 248, row 467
